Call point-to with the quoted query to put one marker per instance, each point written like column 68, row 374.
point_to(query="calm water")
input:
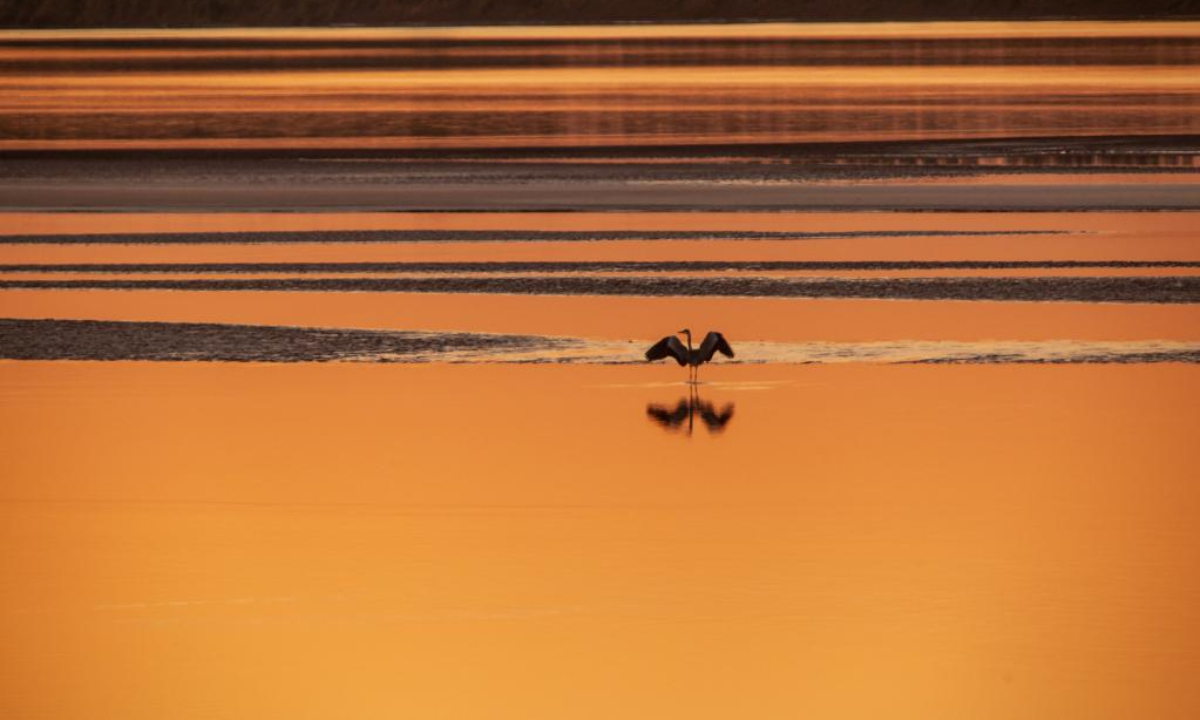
column 363, row 540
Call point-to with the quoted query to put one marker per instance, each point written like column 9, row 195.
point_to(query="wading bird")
column 693, row 358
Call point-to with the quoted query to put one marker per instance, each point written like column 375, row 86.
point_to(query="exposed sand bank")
column 1165, row 289
column 210, row 342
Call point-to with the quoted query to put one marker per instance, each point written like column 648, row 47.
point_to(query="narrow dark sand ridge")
column 102, row 340
column 766, row 159
column 393, row 236
column 1134, row 358
column 1070, row 289
column 165, row 341
column 604, row 195
column 614, row 266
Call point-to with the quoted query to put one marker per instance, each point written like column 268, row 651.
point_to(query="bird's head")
column 684, row 331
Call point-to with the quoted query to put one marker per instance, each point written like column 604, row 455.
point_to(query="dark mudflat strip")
column 394, row 236
column 1079, row 152
column 244, row 54
column 1066, row 289
column 102, row 340
column 499, row 194
column 51, row 339
column 1133, row 358
column 766, row 177
column 590, row 266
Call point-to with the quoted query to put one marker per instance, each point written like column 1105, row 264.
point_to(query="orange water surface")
column 194, row 541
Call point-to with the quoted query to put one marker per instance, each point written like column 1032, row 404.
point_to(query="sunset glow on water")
column 323, row 395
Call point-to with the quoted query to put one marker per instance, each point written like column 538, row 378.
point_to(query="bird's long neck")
column 689, row 337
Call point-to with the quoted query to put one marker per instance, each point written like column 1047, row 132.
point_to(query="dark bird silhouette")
column 693, row 358
column 685, row 412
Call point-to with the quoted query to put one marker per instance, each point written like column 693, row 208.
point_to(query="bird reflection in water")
column 682, row 417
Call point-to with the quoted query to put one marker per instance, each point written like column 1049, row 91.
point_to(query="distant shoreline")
column 7, row 25
column 59, row 15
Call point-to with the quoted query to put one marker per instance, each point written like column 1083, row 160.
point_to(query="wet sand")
column 209, row 342
column 597, row 196
column 1170, row 289
column 97, row 340
column 943, row 173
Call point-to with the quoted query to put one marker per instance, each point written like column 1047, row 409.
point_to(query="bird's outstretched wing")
column 714, row 342
column 668, row 346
